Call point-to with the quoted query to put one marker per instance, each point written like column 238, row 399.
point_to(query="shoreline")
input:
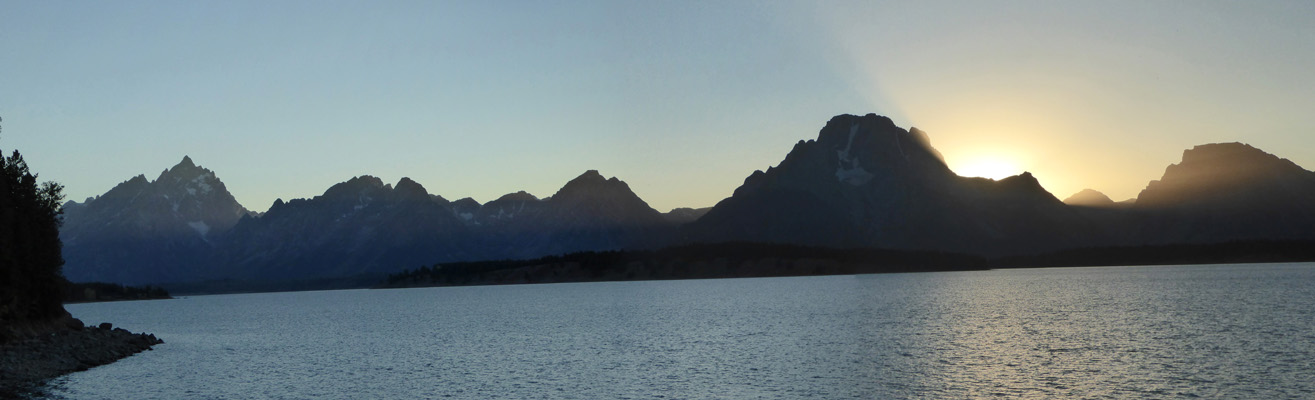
column 27, row 364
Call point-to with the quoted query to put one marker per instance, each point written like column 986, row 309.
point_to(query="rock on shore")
column 26, row 364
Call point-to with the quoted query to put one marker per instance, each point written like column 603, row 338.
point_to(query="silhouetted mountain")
column 465, row 210
column 508, row 209
column 1089, row 198
column 593, row 213
column 364, row 226
column 685, row 215
column 589, row 213
column 149, row 231
column 185, row 226
column 868, row 183
column 1228, row 192
column 360, row 226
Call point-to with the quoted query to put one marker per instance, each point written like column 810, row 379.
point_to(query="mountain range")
column 185, row 226
column 862, row 183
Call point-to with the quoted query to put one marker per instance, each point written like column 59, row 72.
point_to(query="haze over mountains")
column 1228, row 192
column 864, row 182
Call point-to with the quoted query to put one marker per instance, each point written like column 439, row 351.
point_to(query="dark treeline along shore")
column 702, row 261
column 38, row 338
column 746, row 260
column 89, row 292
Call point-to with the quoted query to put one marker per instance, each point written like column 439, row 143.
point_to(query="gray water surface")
column 1227, row 331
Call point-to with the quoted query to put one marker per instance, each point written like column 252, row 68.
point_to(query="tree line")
column 697, row 261
column 742, row 260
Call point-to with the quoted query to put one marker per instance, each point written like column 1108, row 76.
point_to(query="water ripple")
column 1128, row 332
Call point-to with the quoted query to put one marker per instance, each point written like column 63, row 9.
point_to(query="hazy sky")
column 682, row 100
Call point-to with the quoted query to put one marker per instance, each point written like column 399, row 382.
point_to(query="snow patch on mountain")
column 200, row 227
column 202, row 182
column 849, row 171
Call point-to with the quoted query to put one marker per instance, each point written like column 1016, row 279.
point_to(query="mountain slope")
column 1226, row 192
column 361, row 226
column 149, row 231
column 589, row 213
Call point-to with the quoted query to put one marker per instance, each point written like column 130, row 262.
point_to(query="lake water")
column 1227, row 331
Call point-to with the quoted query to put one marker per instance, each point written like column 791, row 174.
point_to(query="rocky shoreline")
column 26, row 364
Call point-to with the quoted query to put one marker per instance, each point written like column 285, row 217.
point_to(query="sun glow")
column 988, row 167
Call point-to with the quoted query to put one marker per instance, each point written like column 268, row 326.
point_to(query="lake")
column 1217, row 331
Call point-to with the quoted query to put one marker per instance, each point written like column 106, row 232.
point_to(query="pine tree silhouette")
column 30, row 258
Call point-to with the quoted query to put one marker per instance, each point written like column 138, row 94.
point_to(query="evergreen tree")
column 30, row 257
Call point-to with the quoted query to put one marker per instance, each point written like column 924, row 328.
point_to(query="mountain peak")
column 590, row 202
column 592, row 182
column 185, row 164
column 591, row 187
column 1020, row 186
column 872, row 147
column 139, row 223
column 1023, row 177
column 841, row 128
column 518, row 196
column 1089, row 198
column 410, row 189
column 1223, row 192
column 466, row 204
column 185, row 172
column 355, row 187
column 140, row 179
column 1238, row 154
column 592, row 177
column 1207, row 168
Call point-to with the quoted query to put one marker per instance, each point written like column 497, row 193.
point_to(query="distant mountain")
column 868, row 183
column 364, row 226
column 685, row 215
column 149, row 231
column 1089, row 198
column 1228, row 192
column 185, row 226
column 356, row 227
column 589, row 213
column 595, row 213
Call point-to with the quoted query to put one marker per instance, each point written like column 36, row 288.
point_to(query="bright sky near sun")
column 681, row 99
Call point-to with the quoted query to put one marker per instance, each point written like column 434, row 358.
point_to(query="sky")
column 680, row 99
